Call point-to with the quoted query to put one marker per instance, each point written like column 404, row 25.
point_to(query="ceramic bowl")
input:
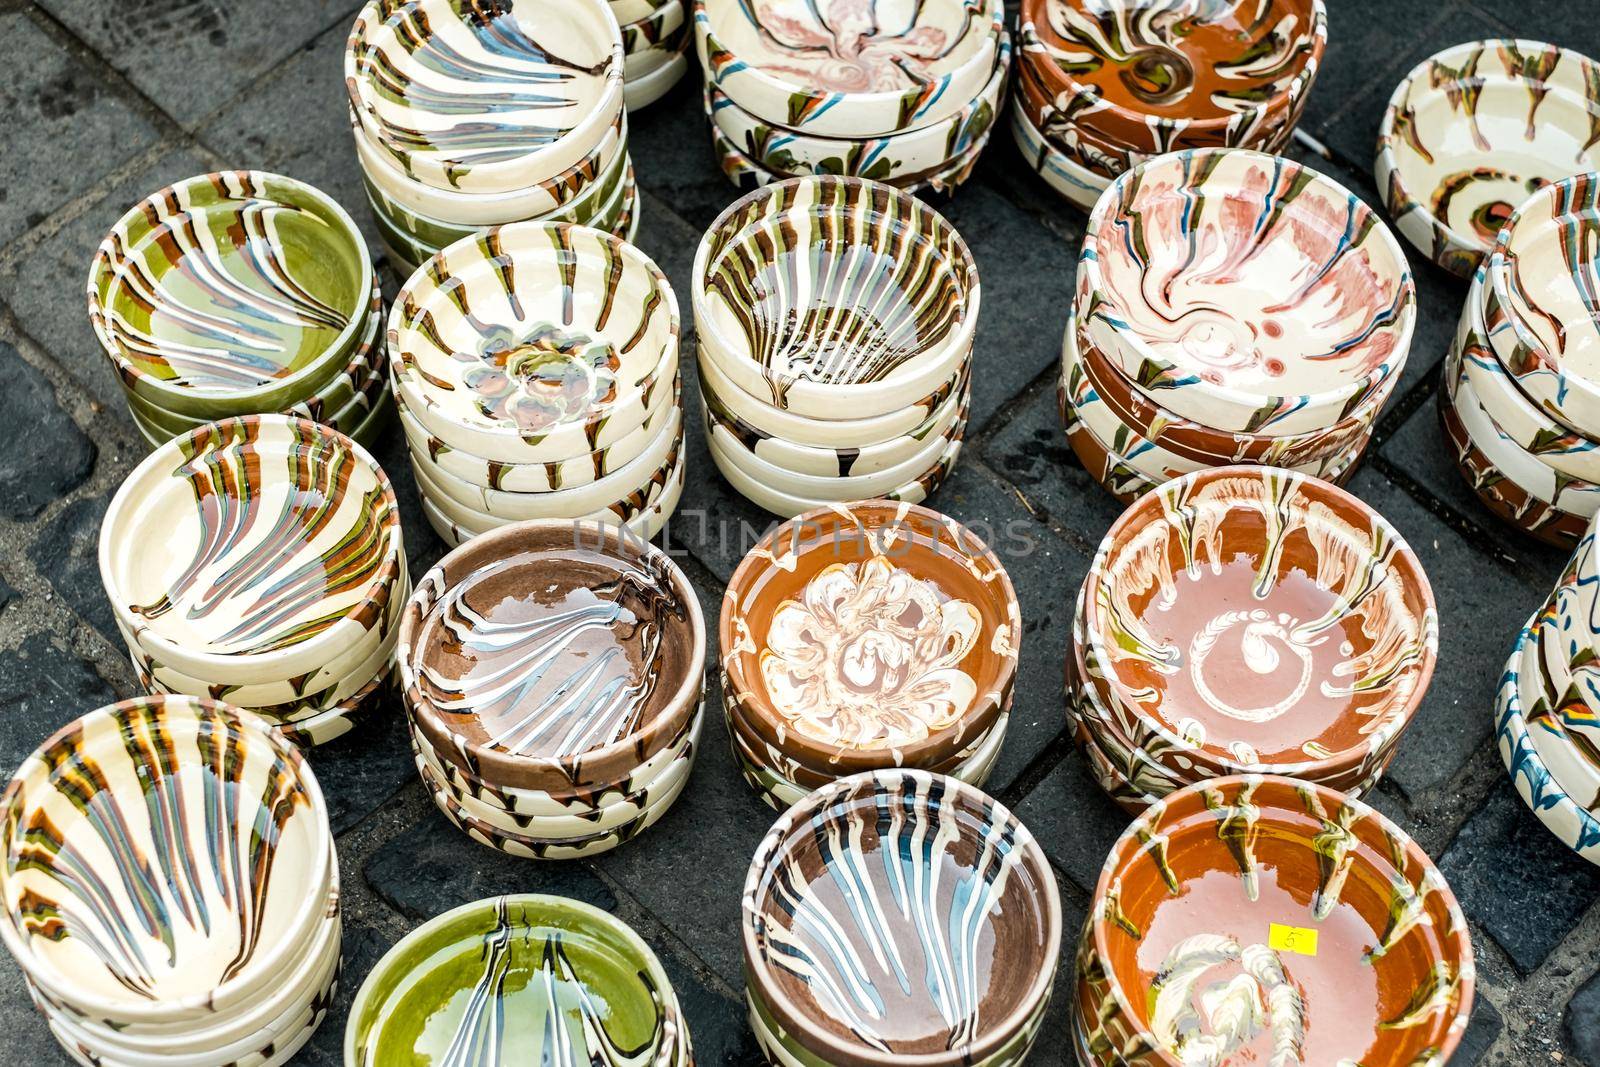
column 533, row 342
column 1227, row 890
column 626, row 11
column 868, row 635
column 491, row 101
column 1281, row 328
column 1249, row 618
column 919, row 980
column 230, row 293
column 1559, row 716
column 836, row 70
column 252, row 550
column 519, row 976
column 820, row 295
column 1475, row 130
column 645, row 89
column 1080, row 186
column 92, row 807
column 665, row 25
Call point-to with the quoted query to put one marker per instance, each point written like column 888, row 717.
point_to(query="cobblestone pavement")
column 108, row 100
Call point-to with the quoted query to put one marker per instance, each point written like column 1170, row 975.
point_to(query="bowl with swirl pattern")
column 1258, row 919
column 899, row 918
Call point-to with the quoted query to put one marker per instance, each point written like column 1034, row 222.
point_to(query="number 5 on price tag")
column 1296, row 939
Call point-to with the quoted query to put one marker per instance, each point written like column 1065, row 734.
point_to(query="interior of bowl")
column 535, row 978
column 532, row 327
column 252, row 536
column 1251, row 272
column 1263, row 616
column 1264, row 920
column 872, row 627
column 230, row 281
column 1546, row 261
column 1195, row 62
column 156, row 849
column 834, row 281
column 904, row 914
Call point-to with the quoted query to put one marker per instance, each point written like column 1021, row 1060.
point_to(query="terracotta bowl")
column 956, row 965
column 1260, row 918
column 830, row 69
column 1249, row 618
column 1473, row 131
column 165, row 857
column 867, row 635
column 484, row 100
column 830, row 296
column 515, row 977
column 1279, row 328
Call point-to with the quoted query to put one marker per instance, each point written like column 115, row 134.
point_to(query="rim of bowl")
column 962, row 270
column 1095, row 280
column 647, row 739
column 547, row 904
column 100, row 268
column 828, row 1044
column 751, row 692
column 1054, row 78
column 323, row 863
column 1135, row 837
column 1405, row 559
column 378, row 590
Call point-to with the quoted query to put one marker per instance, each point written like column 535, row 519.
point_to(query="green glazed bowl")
column 230, row 294
column 518, row 979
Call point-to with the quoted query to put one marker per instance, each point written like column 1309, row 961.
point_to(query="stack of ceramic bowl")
column 169, row 887
column 835, row 319
column 1263, row 314
column 1521, row 396
column 259, row 560
column 900, row 93
column 535, row 369
column 553, row 676
column 1258, row 919
column 1248, row 620
column 467, row 116
column 240, row 293
column 519, row 979
column 655, row 43
column 864, row 636
column 1459, row 150
column 1104, row 85
column 871, row 915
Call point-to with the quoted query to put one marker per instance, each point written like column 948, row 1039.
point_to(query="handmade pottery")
column 1474, row 131
column 529, row 975
column 646, row 89
column 787, row 505
column 841, row 69
column 956, row 975
column 1081, row 186
column 1228, row 893
column 626, row 11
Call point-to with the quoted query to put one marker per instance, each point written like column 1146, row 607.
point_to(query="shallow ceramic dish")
column 936, row 975
column 1081, row 186
column 534, row 342
column 1475, row 130
column 666, row 25
column 1248, row 617
column 837, row 69
column 824, row 294
column 528, row 975
column 252, row 550
column 1559, row 719
column 646, row 89
column 1281, row 328
column 230, row 293
column 91, row 806
column 1363, row 956
column 626, row 11
column 484, row 100
column 787, row 505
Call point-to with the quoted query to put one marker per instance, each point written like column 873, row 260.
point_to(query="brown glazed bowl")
column 1251, row 619
column 867, row 635
column 1257, row 919
column 953, row 967
column 520, row 636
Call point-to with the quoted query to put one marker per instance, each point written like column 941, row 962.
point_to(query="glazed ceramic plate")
column 1078, row 185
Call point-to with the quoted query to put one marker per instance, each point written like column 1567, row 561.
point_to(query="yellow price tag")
column 1296, row 939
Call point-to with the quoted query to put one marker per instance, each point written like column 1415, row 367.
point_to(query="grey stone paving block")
column 191, row 57
column 42, row 688
column 49, row 460
column 27, row 1038
column 64, row 127
column 672, row 157
column 66, row 553
column 1515, row 880
column 1583, row 1022
column 1074, row 820
column 365, row 767
column 1483, row 1029
column 7, row 593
